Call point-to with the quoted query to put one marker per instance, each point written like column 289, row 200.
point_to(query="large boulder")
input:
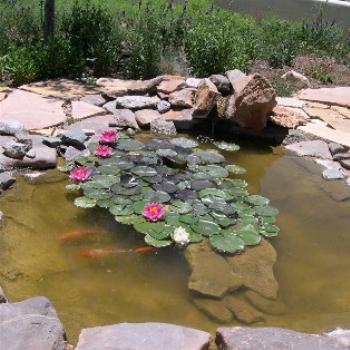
column 252, row 102
column 160, row 127
column 145, row 116
column 183, row 98
column 239, row 338
column 205, row 99
column 137, row 102
column 287, row 117
column 31, row 324
column 143, row 336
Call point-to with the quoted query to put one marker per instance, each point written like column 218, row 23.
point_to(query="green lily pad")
column 144, row 171
column 270, row 230
column 157, row 197
column 157, row 243
column 97, row 193
column 105, row 181
column 226, row 146
column 157, row 230
column 86, row 160
column 121, row 210
column 257, row 200
column 104, row 203
column 249, row 234
column 184, row 142
column 212, row 192
column 235, row 169
column 226, row 243
column 73, row 188
column 129, row 219
column 216, row 171
column 65, row 168
column 206, row 228
column 222, row 219
column 85, row 202
column 266, row 211
column 129, row 145
column 108, row 170
column 180, row 207
column 210, row 157
column 166, row 152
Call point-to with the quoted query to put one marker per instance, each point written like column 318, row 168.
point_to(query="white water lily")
column 181, row 236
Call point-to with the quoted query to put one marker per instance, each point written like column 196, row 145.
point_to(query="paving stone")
column 315, row 148
column 82, row 110
column 339, row 96
column 96, row 100
column 290, row 102
column 244, row 338
column 143, row 336
column 60, row 88
column 32, row 110
column 332, row 174
column 10, row 127
column 287, row 118
column 94, row 123
column 345, row 112
column 335, row 148
column 4, row 91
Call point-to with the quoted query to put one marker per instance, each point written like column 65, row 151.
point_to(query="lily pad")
column 226, row 243
column 249, row 234
column 266, row 211
column 235, row 169
column 144, row 171
column 257, row 200
column 129, row 145
column 121, row 210
column 129, row 219
column 97, row 193
column 157, row 197
column 206, row 228
column 105, row 181
column 157, row 243
column 180, row 207
column 226, row 146
column 184, row 142
column 210, row 157
column 270, row 230
column 108, row 170
column 85, row 202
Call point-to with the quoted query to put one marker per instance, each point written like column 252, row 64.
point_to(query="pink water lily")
column 109, row 137
column 154, row 212
column 103, row 151
column 81, row 174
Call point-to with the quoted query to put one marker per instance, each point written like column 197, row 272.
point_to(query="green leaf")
column 270, row 230
column 213, row 192
column 108, row 170
column 249, row 234
column 235, row 169
column 180, row 207
column 222, row 219
column 257, row 200
column 157, row 197
column 97, row 193
column 206, row 227
column 73, row 188
column 150, row 228
column 266, row 211
column 184, row 142
column 144, row 171
column 226, row 146
column 130, row 219
column 65, row 168
column 85, row 202
column 121, row 210
column 226, row 243
column 157, row 243
column 105, row 181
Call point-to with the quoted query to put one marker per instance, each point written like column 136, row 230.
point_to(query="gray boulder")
column 52, row 141
column 162, row 127
column 31, row 324
column 137, row 102
column 315, row 148
column 336, row 148
column 125, row 118
column 241, row 338
column 10, row 127
column 74, row 137
column 221, row 82
column 72, row 153
column 15, row 150
column 143, row 336
column 6, row 180
column 163, row 106
column 96, row 100
column 234, row 75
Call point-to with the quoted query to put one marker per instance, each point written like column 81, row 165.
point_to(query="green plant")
column 283, row 89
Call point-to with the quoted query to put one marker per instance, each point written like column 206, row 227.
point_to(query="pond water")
column 312, row 267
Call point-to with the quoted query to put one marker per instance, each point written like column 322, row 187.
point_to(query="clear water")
column 312, row 266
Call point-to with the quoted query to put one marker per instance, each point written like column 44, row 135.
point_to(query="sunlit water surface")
column 312, row 269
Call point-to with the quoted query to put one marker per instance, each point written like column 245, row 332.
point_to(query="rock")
column 131, row 131
column 332, row 118
column 345, row 163
column 46, row 157
column 183, row 119
column 44, row 177
column 268, row 306
column 315, row 148
column 72, row 153
column 336, row 190
column 160, row 127
column 296, row 79
column 255, row 266
column 214, row 309
column 82, row 110
column 125, row 118
column 345, row 112
column 290, row 102
column 4, row 91
column 143, row 336
column 32, row 110
column 111, row 107
column 244, row 338
column 205, row 99
column 96, row 100
column 6, row 180
column 193, row 82
column 221, row 82
column 144, row 117
column 336, row 148
column 339, row 96
column 52, row 141
column 286, row 118
column 2, row 222
column 316, row 105
column 10, row 127
column 31, row 324
column 15, row 150
column 254, row 99
column 183, row 98
column 323, row 132
column 169, row 86
column 205, row 279
column 332, row 174
column 234, row 75
column 137, row 102
column 242, row 310
column 3, row 298
column 60, row 88
column 31, row 154
column 74, row 137
column 294, row 136
column 163, row 106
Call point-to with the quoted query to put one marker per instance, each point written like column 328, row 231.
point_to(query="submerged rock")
column 315, row 148
column 255, row 266
column 143, row 336
column 6, row 180
column 3, row 298
column 31, row 324
column 245, row 338
column 214, row 309
column 268, row 306
column 242, row 310
column 211, row 274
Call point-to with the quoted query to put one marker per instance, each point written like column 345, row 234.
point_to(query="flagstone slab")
column 290, row 102
column 95, row 123
column 327, row 133
column 4, row 91
column 60, row 88
column 339, row 96
column 82, row 110
column 345, row 112
column 32, row 110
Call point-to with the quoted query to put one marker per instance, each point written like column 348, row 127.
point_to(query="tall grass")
column 130, row 37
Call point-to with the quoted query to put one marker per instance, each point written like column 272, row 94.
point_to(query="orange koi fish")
column 103, row 252
column 79, row 235
column 145, row 250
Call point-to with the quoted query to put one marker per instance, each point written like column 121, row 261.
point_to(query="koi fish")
column 79, row 235
column 103, row 252
column 145, row 250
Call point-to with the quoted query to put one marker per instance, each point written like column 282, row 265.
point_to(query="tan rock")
column 252, row 102
column 345, row 112
column 205, row 99
column 290, row 102
column 185, row 115
column 242, row 310
column 270, row 307
column 287, row 118
column 316, row 105
column 214, row 309
column 82, row 110
column 339, row 96
column 183, row 98
column 211, row 274
column 60, row 88
column 169, row 86
column 4, row 91
column 145, row 116
column 296, row 79
column 255, row 266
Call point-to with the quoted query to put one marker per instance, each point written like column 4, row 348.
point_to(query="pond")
column 312, row 266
